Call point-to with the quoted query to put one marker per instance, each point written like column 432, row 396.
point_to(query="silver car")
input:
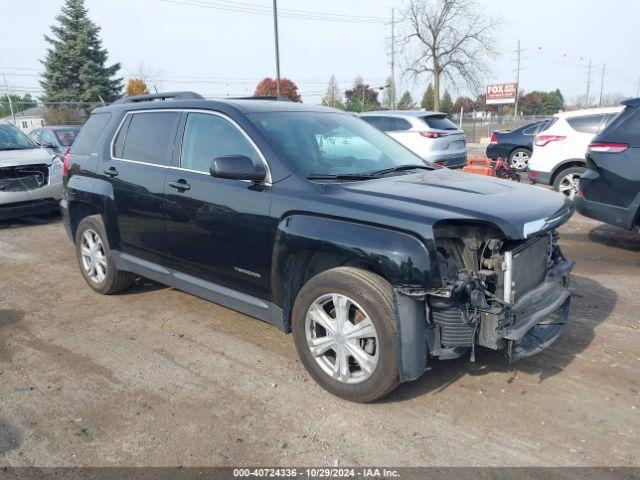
column 431, row 135
column 30, row 177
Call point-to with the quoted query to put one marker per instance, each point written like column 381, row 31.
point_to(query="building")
column 28, row 119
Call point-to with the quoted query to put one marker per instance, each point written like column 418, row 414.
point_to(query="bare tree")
column 450, row 38
column 333, row 96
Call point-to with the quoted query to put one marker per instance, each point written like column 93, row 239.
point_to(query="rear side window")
column 534, row 128
column 439, row 122
column 548, row 124
column 586, row 123
column 388, row 124
column 149, row 137
column 87, row 140
column 624, row 128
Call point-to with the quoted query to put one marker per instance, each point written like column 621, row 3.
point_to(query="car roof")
column 246, row 106
column 588, row 111
column 402, row 113
column 632, row 102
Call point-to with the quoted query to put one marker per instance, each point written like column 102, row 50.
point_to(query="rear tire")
column 346, row 334
column 519, row 159
column 567, row 181
column 95, row 259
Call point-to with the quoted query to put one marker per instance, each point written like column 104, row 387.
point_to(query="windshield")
column 318, row 143
column 12, row 138
column 66, row 136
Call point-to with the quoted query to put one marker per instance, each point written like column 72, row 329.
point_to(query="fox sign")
column 499, row 93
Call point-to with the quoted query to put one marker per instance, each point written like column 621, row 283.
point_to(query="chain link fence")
column 479, row 128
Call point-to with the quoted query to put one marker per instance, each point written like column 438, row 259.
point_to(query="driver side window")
column 207, row 137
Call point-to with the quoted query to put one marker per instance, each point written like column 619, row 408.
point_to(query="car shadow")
column 30, row 221
column 591, row 305
column 616, row 237
column 141, row 285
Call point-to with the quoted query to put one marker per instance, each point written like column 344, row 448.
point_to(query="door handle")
column 180, row 185
column 111, row 172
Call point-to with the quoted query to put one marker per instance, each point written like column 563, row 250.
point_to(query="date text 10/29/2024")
column 303, row 473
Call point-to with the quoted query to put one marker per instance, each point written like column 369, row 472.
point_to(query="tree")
column 75, row 64
column 427, row 99
column 446, row 106
column 464, row 103
column 136, row 86
column 333, row 95
column 450, row 38
column 268, row 88
column 359, row 92
column 17, row 102
column 541, row 103
column 406, row 102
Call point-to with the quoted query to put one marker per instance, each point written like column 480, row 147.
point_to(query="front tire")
column 567, row 181
column 519, row 159
column 95, row 259
column 345, row 331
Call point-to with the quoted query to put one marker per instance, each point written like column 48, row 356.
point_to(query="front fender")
column 400, row 258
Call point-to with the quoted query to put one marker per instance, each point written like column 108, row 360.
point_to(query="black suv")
column 314, row 221
column 610, row 187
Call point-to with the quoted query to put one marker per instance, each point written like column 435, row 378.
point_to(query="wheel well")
column 78, row 211
column 302, row 266
column 560, row 168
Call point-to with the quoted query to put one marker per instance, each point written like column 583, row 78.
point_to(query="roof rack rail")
column 261, row 97
column 159, row 96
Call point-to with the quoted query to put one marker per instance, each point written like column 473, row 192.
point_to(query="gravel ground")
column 157, row 377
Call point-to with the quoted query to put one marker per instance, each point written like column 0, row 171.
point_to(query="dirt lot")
column 158, row 377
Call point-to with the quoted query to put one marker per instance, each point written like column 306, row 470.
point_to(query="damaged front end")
column 501, row 294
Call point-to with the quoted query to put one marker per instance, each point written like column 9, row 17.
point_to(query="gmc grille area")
column 23, row 178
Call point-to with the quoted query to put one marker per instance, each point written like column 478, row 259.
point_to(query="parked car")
column 56, row 139
column 430, row 135
column 373, row 259
column 558, row 151
column 515, row 145
column 30, row 177
column 610, row 186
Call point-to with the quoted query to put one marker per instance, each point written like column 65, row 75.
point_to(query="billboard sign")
column 501, row 93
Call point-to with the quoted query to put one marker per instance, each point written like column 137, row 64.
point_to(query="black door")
column 218, row 229
column 139, row 162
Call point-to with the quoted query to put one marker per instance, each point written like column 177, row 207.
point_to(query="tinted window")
column 87, row 140
column 624, row 128
column 207, row 137
column 534, row 128
column 66, row 136
column 439, row 122
column 122, row 134
column 587, row 123
column 388, row 124
column 378, row 122
column 548, row 124
column 150, row 137
column 398, row 124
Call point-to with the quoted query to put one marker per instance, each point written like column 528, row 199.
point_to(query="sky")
column 224, row 47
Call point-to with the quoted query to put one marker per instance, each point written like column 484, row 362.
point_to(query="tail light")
column 440, row 164
column 608, row 147
column 494, row 139
column 433, row 134
column 533, row 174
column 542, row 140
column 66, row 163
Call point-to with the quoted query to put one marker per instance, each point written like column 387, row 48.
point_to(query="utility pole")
column 517, row 81
column 393, row 59
column 275, row 32
column 586, row 101
column 6, row 86
column 638, row 89
column 601, row 86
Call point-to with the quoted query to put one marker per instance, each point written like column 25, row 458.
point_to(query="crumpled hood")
column 12, row 158
column 519, row 210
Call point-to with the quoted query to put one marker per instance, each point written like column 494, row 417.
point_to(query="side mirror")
column 237, row 167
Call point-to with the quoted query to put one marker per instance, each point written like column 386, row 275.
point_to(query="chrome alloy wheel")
column 94, row 260
column 569, row 185
column 520, row 160
column 342, row 338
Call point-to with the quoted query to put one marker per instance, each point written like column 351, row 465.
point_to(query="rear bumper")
column 618, row 216
column 536, row 176
column 33, row 207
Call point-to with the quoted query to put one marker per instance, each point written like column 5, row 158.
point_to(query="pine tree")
column 427, row 99
column 446, row 105
column 406, row 102
column 75, row 65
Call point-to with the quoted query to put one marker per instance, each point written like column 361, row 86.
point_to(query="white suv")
column 558, row 157
column 430, row 135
